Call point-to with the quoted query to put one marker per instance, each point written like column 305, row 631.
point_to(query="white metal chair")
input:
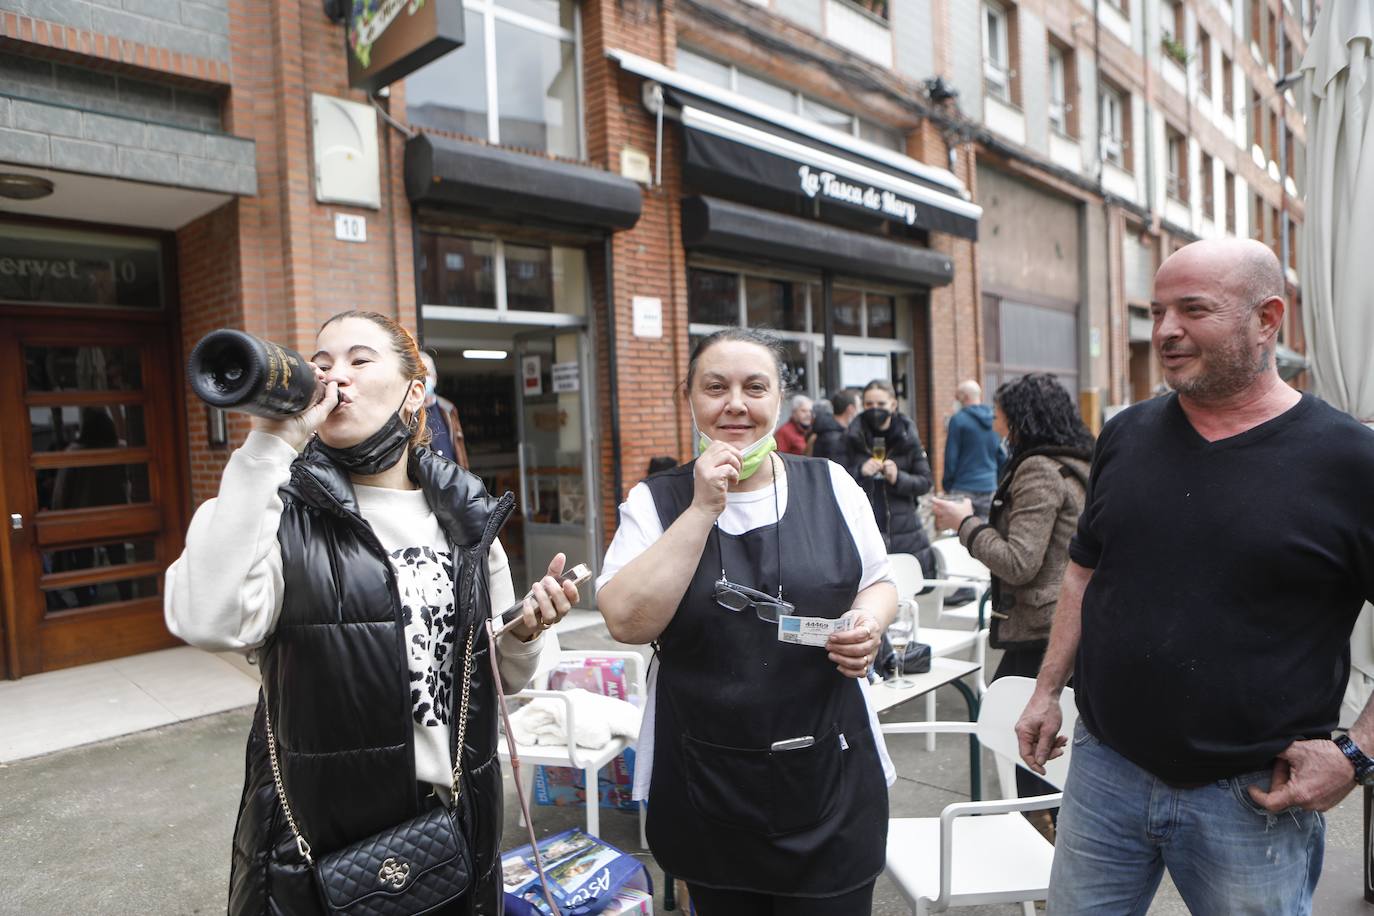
column 570, row 755
column 944, row 642
column 958, row 859
column 956, row 568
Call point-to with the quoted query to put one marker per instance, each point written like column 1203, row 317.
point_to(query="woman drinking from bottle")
column 764, row 768
column 358, row 566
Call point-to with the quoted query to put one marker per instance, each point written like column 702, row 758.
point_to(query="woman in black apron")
column 767, row 788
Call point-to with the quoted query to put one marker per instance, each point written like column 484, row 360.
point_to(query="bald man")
column 973, row 450
column 1225, row 548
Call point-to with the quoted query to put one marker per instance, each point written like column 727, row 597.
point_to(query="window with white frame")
column 1112, row 121
column 728, row 76
column 1058, row 92
column 516, row 82
column 996, row 51
column 868, row 320
column 503, row 275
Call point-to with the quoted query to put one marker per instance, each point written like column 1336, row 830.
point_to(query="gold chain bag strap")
column 412, row 868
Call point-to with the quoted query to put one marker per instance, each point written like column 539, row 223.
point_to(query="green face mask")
column 751, row 458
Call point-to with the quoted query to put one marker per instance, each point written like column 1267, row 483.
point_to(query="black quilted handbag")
column 412, row 868
column 415, row 867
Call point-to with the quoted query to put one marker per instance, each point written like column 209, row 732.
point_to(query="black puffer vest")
column 894, row 505
column 336, row 674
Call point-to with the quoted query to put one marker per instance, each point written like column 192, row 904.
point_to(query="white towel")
column 597, row 720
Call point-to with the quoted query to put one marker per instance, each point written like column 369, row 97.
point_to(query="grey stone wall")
column 95, row 90
column 966, row 56
column 911, row 32
column 61, row 137
column 1033, row 66
column 199, row 27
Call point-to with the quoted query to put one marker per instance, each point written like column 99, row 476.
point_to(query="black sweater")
column 1226, row 579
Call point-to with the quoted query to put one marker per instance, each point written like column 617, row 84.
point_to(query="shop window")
column 459, row 271
column 775, row 304
column 529, row 279
column 848, row 311
column 792, row 309
column 882, row 315
column 487, row 273
column 712, row 297
column 535, row 102
column 794, row 366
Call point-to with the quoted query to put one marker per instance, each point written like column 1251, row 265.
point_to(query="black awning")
column 711, row 224
column 446, row 172
column 710, row 160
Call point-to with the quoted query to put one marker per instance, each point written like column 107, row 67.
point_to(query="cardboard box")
column 586, row 876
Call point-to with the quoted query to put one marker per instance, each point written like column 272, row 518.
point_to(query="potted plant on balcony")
column 1174, row 49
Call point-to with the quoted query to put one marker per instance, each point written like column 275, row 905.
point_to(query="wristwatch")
column 1364, row 767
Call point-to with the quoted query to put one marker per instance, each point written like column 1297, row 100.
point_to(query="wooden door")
column 92, row 489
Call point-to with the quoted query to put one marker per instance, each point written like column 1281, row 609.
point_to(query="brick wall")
column 649, row 259
column 200, row 29
column 270, row 263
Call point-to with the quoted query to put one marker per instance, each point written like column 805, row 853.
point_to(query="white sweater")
column 225, row 590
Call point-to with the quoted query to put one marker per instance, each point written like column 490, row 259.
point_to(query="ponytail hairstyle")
column 408, row 352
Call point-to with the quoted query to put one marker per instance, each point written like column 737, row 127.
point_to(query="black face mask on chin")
column 379, row 451
column 875, row 417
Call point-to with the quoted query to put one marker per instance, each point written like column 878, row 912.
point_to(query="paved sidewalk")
column 140, row 825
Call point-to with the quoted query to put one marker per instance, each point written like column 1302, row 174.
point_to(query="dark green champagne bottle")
column 234, row 370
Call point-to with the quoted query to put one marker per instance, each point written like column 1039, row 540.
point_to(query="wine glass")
column 880, row 449
column 900, row 633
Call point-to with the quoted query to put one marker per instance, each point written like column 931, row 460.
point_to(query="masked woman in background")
column 764, row 768
column 887, row 459
column 358, row 566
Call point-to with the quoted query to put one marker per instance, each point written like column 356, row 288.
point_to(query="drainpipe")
column 612, row 379
column 1284, row 240
column 1106, row 206
column 1150, row 124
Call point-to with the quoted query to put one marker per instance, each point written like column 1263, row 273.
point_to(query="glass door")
column 557, row 486
column 91, row 487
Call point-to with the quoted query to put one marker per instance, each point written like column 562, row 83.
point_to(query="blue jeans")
column 1120, row 827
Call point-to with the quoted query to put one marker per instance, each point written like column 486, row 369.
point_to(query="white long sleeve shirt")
column 225, row 590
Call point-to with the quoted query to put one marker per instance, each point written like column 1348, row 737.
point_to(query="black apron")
column 724, row 810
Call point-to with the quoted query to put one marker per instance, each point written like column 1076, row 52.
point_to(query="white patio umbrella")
column 1337, row 282
column 1338, row 230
